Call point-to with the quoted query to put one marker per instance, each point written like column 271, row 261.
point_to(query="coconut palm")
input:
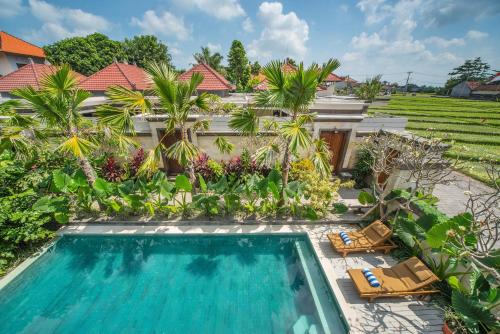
column 57, row 107
column 176, row 99
column 292, row 92
column 207, row 57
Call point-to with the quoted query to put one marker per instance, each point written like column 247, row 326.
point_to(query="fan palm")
column 57, row 105
column 176, row 98
column 292, row 92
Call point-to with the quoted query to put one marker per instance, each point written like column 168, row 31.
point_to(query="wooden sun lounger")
column 408, row 278
column 375, row 236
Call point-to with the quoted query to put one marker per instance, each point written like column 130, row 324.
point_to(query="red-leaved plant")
column 112, row 171
column 136, row 162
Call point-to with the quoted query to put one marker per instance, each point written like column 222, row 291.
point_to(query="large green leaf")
column 62, row 181
column 438, row 234
column 274, row 176
column 365, row 198
column 274, row 190
column 182, row 183
column 203, row 184
column 340, row 207
column 406, row 229
column 472, row 312
column 103, row 187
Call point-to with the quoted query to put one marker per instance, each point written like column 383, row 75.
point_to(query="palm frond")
column 130, row 99
column 321, row 158
column 62, row 81
column 119, row 119
column 244, row 121
column 296, row 134
column 183, row 151
column 152, row 161
column 77, row 146
column 267, row 155
column 12, row 138
column 201, row 125
column 224, row 145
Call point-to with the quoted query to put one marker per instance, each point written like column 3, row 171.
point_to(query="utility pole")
column 408, row 79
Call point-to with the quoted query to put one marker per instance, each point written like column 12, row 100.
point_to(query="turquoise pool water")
column 172, row 284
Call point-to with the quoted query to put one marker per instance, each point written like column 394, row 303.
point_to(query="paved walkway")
column 452, row 199
column 387, row 315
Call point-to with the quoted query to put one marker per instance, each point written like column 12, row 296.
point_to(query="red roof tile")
column 212, row 80
column 491, row 88
column 12, row 44
column 29, row 75
column 333, row 78
column 117, row 74
column 473, row 84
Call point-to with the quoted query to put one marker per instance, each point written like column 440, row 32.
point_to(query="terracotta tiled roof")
column 12, row 44
column 490, row 88
column 212, row 80
column 473, row 84
column 117, row 74
column 29, row 75
column 333, row 78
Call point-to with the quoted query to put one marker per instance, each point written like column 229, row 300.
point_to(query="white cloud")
column 365, row 41
column 443, row 42
column 214, row 47
column 444, row 12
column 62, row 22
column 10, row 8
column 220, row 9
column 476, row 35
column 375, row 10
column 351, row 56
column 282, row 34
column 163, row 24
column 247, row 25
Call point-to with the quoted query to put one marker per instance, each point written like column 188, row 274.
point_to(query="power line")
column 408, row 79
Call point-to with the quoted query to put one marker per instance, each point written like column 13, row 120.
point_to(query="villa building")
column 116, row 74
column 27, row 75
column 16, row 53
column 213, row 82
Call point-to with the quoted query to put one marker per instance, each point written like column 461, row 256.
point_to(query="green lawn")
column 472, row 128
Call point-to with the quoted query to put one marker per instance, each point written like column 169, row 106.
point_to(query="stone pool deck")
column 389, row 315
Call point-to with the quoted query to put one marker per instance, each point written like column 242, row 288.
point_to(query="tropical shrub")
column 136, row 162
column 111, row 170
column 318, row 190
column 362, row 167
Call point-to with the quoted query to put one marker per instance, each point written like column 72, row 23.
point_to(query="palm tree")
column 370, row 88
column 57, row 105
column 176, row 98
column 17, row 132
column 292, row 92
column 206, row 57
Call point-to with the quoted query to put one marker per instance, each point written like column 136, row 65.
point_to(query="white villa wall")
column 9, row 61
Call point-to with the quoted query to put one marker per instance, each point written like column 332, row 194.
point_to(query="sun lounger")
column 408, row 278
column 375, row 236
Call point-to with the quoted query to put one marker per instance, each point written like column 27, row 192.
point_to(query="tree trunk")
column 285, row 170
column 88, row 170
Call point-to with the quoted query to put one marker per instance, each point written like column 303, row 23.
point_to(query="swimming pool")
column 172, row 284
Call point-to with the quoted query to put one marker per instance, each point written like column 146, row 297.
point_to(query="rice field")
column 472, row 128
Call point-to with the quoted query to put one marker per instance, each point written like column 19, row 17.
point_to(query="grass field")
column 472, row 128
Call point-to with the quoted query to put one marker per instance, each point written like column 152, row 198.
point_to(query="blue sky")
column 388, row 37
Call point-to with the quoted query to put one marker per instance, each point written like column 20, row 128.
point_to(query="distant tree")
column 145, row 48
column 370, row 88
column 85, row 55
column 238, row 67
column 213, row 60
column 472, row 70
column 255, row 68
column 290, row 61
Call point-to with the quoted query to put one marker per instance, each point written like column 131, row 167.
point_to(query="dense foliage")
column 471, row 70
column 238, row 68
column 85, row 55
column 141, row 50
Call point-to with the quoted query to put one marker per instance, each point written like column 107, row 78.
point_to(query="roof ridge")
column 134, row 86
column 22, row 40
column 218, row 75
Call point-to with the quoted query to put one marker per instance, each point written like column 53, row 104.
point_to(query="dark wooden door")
column 172, row 166
column 336, row 141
